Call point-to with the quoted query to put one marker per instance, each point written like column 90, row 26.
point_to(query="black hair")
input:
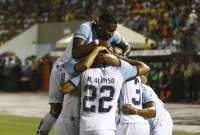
column 109, row 18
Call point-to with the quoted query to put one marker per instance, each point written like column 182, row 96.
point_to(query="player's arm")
column 88, row 60
column 106, row 58
column 143, row 68
column 70, row 85
column 148, row 111
column 81, row 48
column 125, row 47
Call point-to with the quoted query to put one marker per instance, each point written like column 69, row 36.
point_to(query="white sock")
column 46, row 124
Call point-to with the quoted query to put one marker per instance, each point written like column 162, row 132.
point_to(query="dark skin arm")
column 87, row 62
column 126, row 47
column 148, row 110
column 105, row 58
column 66, row 87
column 81, row 48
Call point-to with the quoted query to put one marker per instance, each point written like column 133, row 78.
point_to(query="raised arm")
column 125, row 47
column 100, row 54
column 88, row 60
column 143, row 68
column 80, row 48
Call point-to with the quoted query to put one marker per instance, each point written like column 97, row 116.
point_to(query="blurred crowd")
column 33, row 75
column 173, row 24
column 176, row 79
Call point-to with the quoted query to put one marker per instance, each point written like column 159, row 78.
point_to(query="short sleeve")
column 69, row 66
column 83, row 31
column 147, row 95
column 75, row 81
column 128, row 71
column 116, row 38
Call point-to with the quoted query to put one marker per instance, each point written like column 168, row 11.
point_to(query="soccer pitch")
column 16, row 125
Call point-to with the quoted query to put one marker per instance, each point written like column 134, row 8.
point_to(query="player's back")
column 100, row 89
column 100, row 92
column 132, row 93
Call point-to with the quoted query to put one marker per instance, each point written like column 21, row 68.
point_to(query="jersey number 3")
column 93, row 95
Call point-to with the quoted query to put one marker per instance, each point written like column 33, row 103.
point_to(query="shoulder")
column 116, row 33
column 124, row 63
column 86, row 25
column 116, row 38
column 146, row 87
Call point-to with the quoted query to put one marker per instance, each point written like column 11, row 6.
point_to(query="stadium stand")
column 173, row 24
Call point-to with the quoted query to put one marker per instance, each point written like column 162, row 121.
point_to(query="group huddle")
column 97, row 90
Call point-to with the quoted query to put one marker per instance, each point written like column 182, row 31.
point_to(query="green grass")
column 15, row 125
column 184, row 133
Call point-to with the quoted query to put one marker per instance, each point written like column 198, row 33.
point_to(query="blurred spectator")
column 177, row 81
column 173, row 24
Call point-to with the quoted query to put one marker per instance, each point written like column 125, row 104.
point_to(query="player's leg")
column 141, row 129
column 68, row 121
column 55, row 100
column 164, row 125
column 133, row 129
column 122, row 129
column 49, row 119
column 98, row 132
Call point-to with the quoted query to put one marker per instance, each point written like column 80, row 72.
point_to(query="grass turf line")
column 17, row 125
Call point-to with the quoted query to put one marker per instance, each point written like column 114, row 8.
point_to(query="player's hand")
column 102, row 48
column 129, row 109
column 104, row 43
column 66, row 87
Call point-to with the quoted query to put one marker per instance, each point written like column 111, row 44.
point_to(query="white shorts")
column 66, row 128
column 55, row 96
column 68, row 121
column 99, row 132
column 133, row 129
column 163, row 126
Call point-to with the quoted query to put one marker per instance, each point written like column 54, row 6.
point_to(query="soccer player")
column 132, row 95
column 62, row 70
column 162, row 124
column 58, row 75
column 130, row 122
column 67, row 122
column 103, row 29
column 85, row 40
column 100, row 89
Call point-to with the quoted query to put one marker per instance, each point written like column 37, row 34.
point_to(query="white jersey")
column 132, row 93
column 60, row 72
column 162, row 116
column 67, row 120
column 100, row 90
